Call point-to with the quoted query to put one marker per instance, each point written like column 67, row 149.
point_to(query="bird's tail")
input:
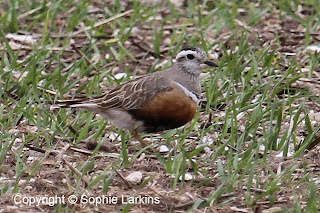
column 71, row 103
column 67, row 103
column 84, row 103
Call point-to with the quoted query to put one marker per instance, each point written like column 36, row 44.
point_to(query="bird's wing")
column 134, row 94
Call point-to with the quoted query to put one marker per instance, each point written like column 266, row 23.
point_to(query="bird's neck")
column 191, row 70
column 189, row 73
column 189, row 78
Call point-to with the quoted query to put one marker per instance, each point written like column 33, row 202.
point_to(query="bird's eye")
column 190, row 56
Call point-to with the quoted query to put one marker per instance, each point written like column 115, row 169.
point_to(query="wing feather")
column 134, row 94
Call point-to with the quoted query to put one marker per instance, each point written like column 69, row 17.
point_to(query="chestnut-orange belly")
column 166, row 111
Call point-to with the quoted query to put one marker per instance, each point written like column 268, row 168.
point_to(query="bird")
column 153, row 102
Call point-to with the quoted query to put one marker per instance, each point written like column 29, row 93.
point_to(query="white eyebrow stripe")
column 188, row 93
column 185, row 52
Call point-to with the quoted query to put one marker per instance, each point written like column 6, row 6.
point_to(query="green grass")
column 253, row 97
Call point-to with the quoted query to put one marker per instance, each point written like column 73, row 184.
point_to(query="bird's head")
column 192, row 59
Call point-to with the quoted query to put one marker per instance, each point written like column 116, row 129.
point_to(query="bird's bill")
column 210, row 63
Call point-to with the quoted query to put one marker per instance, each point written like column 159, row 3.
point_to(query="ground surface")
column 253, row 146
